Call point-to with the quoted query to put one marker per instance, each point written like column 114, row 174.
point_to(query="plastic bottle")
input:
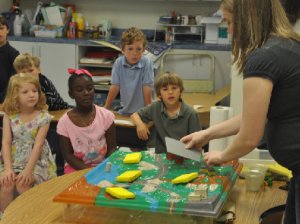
column 18, row 23
column 72, row 29
column 25, row 26
column 80, row 25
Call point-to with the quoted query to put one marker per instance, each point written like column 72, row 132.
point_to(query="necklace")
column 84, row 120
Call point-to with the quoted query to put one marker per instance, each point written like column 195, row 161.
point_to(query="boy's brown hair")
column 25, row 61
column 165, row 79
column 11, row 103
column 132, row 35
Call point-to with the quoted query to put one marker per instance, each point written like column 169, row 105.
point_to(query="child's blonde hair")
column 132, row 35
column 11, row 103
column 165, row 79
column 25, row 61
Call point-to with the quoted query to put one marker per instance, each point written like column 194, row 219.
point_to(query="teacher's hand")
column 213, row 158
column 195, row 140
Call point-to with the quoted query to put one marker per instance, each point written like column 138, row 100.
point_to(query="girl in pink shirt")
column 87, row 132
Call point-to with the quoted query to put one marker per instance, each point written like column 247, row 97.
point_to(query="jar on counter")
column 91, row 32
column 179, row 20
column 192, row 20
column 95, row 32
column 80, row 25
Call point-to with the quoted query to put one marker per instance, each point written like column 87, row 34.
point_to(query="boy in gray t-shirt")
column 171, row 116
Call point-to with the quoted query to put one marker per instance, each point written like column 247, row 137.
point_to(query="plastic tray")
column 45, row 33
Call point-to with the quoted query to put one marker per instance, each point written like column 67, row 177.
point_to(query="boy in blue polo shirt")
column 132, row 74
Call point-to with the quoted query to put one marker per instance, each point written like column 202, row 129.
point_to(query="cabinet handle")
column 195, row 59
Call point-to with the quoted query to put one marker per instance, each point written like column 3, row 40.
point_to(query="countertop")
column 196, row 45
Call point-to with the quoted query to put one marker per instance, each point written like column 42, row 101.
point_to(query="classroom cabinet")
column 179, row 31
column 55, row 60
column 24, row 47
column 98, row 60
column 199, row 68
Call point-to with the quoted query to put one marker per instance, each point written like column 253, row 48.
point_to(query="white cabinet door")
column 55, row 59
column 24, row 47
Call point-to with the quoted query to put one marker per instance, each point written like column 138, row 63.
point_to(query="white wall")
column 297, row 26
column 236, row 95
column 126, row 13
column 5, row 5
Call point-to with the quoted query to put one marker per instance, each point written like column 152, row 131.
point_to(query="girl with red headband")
column 86, row 132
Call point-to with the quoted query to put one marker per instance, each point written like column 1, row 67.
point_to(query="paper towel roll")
column 230, row 115
column 219, row 114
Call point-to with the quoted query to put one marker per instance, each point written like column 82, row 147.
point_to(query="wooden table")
column 125, row 130
column 126, row 133
column 36, row 206
column 206, row 101
column 57, row 114
column 250, row 205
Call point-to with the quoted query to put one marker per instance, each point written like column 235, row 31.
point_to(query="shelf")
column 101, row 87
column 179, row 25
column 95, row 65
column 190, row 33
column 97, row 59
column 100, row 79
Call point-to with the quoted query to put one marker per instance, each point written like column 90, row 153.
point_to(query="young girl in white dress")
column 26, row 157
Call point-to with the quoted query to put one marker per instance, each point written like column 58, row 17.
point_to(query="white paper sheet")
column 177, row 147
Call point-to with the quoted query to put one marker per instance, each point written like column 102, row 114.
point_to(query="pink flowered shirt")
column 89, row 143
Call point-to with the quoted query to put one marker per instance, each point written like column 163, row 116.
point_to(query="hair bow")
column 73, row 71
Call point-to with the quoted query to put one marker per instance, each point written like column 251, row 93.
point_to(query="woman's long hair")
column 254, row 21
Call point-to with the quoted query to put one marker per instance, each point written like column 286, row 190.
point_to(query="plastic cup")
column 254, row 179
column 258, row 168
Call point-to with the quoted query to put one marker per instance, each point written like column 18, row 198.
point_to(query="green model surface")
column 154, row 190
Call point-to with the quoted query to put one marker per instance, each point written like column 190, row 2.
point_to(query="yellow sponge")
column 133, row 157
column 119, row 192
column 276, row 168
column 185, row 178
column 129, row 176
